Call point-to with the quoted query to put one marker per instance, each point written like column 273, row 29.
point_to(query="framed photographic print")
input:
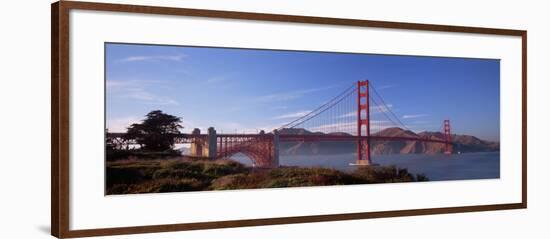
column 167, row 119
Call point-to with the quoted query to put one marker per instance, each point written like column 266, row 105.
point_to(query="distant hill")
column 462, row 143
column 298, row 131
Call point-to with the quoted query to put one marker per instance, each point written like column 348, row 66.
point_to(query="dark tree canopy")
column 155, row 132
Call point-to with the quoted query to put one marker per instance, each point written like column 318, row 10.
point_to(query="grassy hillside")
column 179, row 175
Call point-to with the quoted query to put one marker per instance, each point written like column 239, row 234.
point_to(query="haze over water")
column 437, row 167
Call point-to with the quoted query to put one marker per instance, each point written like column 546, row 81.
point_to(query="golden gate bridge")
column 358, row 114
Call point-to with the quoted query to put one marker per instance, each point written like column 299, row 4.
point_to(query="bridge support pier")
column 196, row 145
column 363, row 158
column 275, row 150
column 211, row 144
column 204, row 147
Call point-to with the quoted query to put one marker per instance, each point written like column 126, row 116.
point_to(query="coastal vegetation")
column 186, row 174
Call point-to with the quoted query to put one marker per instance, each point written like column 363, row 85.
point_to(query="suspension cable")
column 344, row 94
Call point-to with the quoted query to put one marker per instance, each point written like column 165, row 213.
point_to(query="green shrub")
column 149, row 176
column 123, row 154
column 383, row 174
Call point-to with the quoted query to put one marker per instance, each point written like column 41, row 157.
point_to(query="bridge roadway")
column 188, row 138
column 263, row 149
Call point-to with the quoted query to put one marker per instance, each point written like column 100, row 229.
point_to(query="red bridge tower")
column 363, row 119
column 447, row 136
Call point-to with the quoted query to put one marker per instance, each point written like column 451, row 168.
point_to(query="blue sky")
column 238, row 90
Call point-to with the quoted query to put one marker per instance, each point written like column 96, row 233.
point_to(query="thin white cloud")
column 414, row 116
column 281, row 107
column 350, row 114
column 380, row 108
column 179, row 57
column 216, row 80
column 136, row 90
column 291, row 95
column 113, row 84
column 293, row 115
column 147, row 97
column 234, row 108
column 119, row 125
column 383, row 87
column 189, row 125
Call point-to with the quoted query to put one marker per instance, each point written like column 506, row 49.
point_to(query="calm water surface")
column 437, row 167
